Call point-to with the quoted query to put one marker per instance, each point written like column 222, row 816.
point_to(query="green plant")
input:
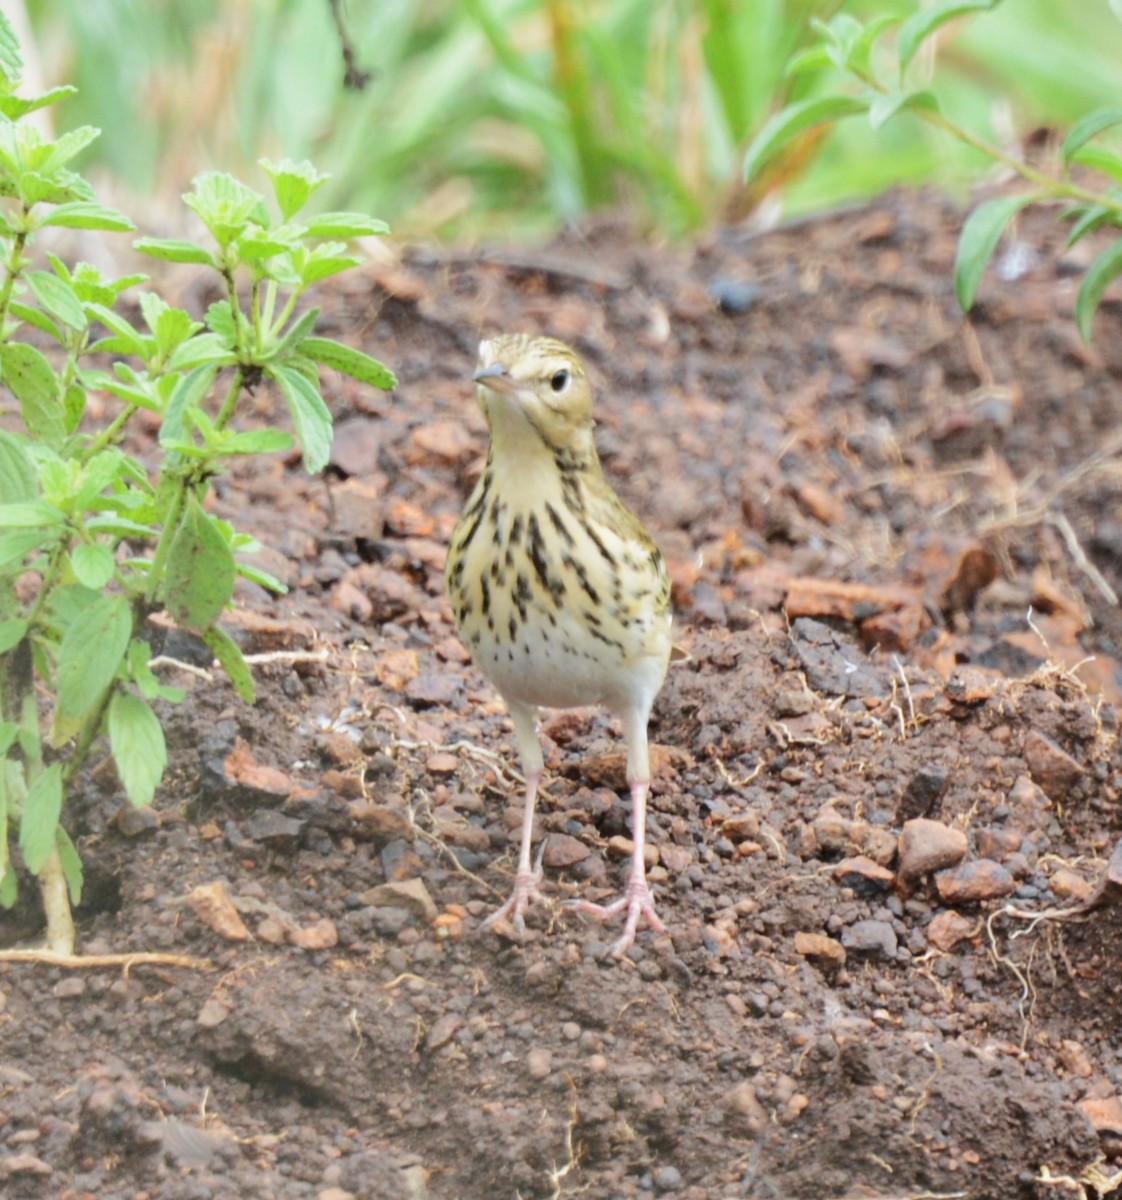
column 89, row 546
column 860, row 52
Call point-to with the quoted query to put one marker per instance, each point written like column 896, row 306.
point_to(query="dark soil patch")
column 788, row 414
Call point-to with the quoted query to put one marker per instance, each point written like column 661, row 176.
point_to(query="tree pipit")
column 559, row 592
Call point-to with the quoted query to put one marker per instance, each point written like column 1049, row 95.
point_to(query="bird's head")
column 535, row 387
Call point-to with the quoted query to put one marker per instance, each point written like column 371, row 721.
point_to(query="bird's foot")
column 526, row 889
column 636, row 901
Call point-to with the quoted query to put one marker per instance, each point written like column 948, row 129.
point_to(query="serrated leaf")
column 200, row 350
column 917, row 28
column 1106, row 267
column 63, row 187
column 315, row 270
column 88, row 657
column 789, row 122
column 225, row 649
column 978, row 241
column 57, row 298
column 85, row 215
column 29, row 377
column 310, row 416
column 885, row 107
column 14, row 107
column 63, row 148
column 344, row 225
column 1086, row 128
column 137, row 742
column 19, row 480
column 200, row 571
column 349, row 361
column 225, row 205
column 292, row 183
column 93, row 564
column 173, row 250
column 11, row 61
column 39, row 819
column 12, row 632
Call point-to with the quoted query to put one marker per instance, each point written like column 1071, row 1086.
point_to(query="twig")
column 48, row 958
column 1059, row 522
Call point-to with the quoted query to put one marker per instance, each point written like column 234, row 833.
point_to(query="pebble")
column 744, row 1110
column 320, row 935
column 864, row 876
column 409, row 894
column 539, row 1063
column 926, row 846
column 980, row 879
column 667, row 1179
column 826, row 950
column 870, row 939
column 947, row 928
column 1067, row 884
column 562, row 851
column 1050, row 766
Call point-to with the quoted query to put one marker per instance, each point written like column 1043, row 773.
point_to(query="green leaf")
column 33, row 316
column 29, row 514
column 860, row 51
column 200, row 350
column 813, row 58
column 190, row 392
column 310, row 416
column 1107, row 266
column 88, row 657
column 978, row 241
column 84, row 215
column 132, row 342
column 1090, row 217
column 344, row 225
column 39, row 821
column 9, row 888
column 137, row 742
column 16, row 546
column 57, row 298
column 93, row 564
column 349, row 361
column 71, row 865
column 172, row 250
column 12, row 632
column 14, row 107
column 65, row 147
column 62, row 187
column 885, row 107
column 1099, row 159
column 73, row 406
column 200, row 571
column 293, row 183
column 29, row 377
column 262, row 578
column 11, row 61
column 225, row 649
column 18, row 478
column 789, row 122
column 257, row 441
column 917, row 28
column 225, row 205
column 317, row 268
column 220, row 320
column 1086, row 128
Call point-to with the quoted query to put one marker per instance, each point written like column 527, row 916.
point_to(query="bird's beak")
column 495, row 378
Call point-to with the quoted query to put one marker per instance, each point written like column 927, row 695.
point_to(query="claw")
column 526, row 889
column 639, row 904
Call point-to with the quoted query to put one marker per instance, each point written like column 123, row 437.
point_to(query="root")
column 81, row 962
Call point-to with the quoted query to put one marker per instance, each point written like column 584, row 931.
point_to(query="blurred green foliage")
column 484, row 117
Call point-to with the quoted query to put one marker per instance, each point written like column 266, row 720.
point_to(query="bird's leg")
column 636, row 900
column 529, row 874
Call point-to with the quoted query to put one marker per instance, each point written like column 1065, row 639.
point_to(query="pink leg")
column 528, row 876
column 636, row 900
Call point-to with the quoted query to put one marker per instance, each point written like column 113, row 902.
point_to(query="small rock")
column 829, row 954
column 620, row 847
column 947, row 928
column 24, row 1164
column 832, row 831
column 1104, row 1114
column 320, row 935
column 667, row 1179
column 1028, row 802
column 269, row 826
column 741, row 828
column 997, row 843
column 539, row 1063
column 863, row 875
column 442, row 763
column 676, row 859
column 970, row 685
column 735, row 297
column 132, row 822
column 407, row 893
column 211, row 903
column 744, row 1110
column 980, row 879
column 563, row 851
column 442, row 1032
column 433, row 690
column 879, row 844
column 70, row 988
column 870, row 939
column 1050, row 766
column 1074, row 1059
column 926, row 846
column 1067, row 884
column 923, row 791
column 213, row 1013
column 335, row 1193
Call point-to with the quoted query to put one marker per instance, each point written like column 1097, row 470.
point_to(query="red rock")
column 829, row 953
column 859, row 872
column 563, row 851
column 1070, row 885
column 320, row 935
column 970, row 685
column 979, row 879
column 346, row 598
column 211, row 903
column 926, row 846
column 410, row 894
column 620, row 847
column 741, row 828
column 1104, row 1114
column 947, row 928
column 1050, row 766
column 997, row 843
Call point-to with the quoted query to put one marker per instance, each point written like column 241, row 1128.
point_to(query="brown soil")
column 833, row 420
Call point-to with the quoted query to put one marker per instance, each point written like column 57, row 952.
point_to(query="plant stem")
column 230, row 402
column 163, row 547
column 56, row 905
column 109, row 434
column 13, row 267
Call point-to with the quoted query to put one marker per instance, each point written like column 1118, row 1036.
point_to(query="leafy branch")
column 860, row 52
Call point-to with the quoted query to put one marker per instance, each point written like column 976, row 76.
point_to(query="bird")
column 559, row 593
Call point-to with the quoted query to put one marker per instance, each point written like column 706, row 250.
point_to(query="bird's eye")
column 560, row 380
